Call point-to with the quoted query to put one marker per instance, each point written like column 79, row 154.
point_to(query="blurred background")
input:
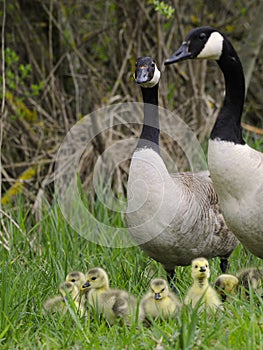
column 63, row 59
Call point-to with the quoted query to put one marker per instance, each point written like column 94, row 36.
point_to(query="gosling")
column 59, row 304
column 253, row 277
column 160, row 302
column 201, row 291
column 225, row 285
column 113, row 304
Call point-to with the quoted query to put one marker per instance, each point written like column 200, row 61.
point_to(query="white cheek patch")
column 155, row 79
column 213, row 47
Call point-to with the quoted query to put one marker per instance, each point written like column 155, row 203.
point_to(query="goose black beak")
column 141, row 75
column 86, row 285
column 157, row 296
column 179, row 55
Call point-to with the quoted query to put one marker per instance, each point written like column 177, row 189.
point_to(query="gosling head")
column 200, row 268
column 201, row 42
column 159, row 288
column 96, row 278
column 225, row 284
column 146, row 73
column 76, row 277
column 68, row 288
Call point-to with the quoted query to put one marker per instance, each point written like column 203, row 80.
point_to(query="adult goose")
column 173, row 217
column 236, row 169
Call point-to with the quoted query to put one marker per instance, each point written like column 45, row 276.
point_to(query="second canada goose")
column 113, row 304
column 201, row 290
column 160, row 302
column 226, row 284
column 236, row 169
column 173, row 217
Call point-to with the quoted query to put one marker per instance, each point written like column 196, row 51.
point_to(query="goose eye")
column 202, row 36
column 93, row 278
column 153, row 65
column 162, row 290
column 73, row 280
column 196, row 266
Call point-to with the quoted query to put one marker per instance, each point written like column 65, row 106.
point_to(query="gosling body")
column 160, row 302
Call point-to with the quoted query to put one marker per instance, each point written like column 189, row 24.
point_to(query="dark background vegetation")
column 63, row 59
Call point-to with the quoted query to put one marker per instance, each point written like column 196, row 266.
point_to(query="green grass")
column 42, row 254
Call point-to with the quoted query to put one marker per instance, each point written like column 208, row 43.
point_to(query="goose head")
column 96, row 278
column 200, row 268
column 146, row 73
column 159, row 288
column 201, row 42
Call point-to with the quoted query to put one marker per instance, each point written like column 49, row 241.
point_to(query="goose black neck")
column 228, row 123
column 150, row 132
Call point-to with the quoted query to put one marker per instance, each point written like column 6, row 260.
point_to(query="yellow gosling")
column 225, row 285
column 160, row 302
column 201, row 288
column 113, row 304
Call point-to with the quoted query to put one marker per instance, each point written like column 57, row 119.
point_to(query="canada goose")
column 173, row 217
column 236, row 169
column 201, row 289
column 114, row 304
column 58, row 303
column 226, row 284
column 160, row 302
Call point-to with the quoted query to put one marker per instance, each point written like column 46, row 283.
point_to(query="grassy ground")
column 39, row 257
column 42, row 254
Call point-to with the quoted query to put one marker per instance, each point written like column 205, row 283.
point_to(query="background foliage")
column 64, row 59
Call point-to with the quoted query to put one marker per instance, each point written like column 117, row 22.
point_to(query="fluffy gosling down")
column 160, row 302
column 59, row 304
column 201, row 289
column 248, row 278
column 225, row 285
column 251, row 277
column 113, row 304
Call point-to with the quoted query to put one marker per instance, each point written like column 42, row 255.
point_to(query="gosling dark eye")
column 73, row 280
column 196, row 266
column 202, row 36
column 162, row 290
column 93, row 278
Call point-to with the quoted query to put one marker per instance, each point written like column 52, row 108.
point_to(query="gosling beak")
column 157, row 296
column 202, row 269
column 179, row 55
column 141, row 75
column 223, row 297
column 85, row 285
